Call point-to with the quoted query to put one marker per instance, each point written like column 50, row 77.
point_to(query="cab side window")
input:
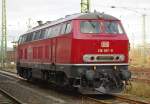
column 58, row 29
column 23, row 38
column 29, row 37
column 37, row 35
column 63, row 28
column 55, row 31
column 68, row 28
column 42, row 34
column 20, row 39
column 48, row 33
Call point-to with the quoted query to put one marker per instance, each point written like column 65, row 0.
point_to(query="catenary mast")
column 4, row 34
column 85, row 6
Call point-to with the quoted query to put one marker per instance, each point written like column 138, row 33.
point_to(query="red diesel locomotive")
column 87, row 51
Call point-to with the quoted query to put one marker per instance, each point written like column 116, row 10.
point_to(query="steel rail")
column 141, row 80
column 129, row 100
column 10, row 74
column 17, row 101
column 96, row 100
column 6, row 73
column 118, row 98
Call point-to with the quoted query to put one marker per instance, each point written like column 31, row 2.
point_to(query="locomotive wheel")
column 45, row 75
column 29, row 74
column 61, row 79
column 26, row 73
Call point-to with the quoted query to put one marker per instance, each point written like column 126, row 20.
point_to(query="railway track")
column 116, row 99
column 140, row 76
column 21, row 92
column 11, row 99
column 6, row 98
column 129, row 100
column 141, row 80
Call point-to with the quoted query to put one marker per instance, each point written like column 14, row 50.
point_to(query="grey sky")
column 19, row 11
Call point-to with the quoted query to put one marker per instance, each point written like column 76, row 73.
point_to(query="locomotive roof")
column 95, row 15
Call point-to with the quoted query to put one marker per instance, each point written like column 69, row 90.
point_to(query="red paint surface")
column 70, row 48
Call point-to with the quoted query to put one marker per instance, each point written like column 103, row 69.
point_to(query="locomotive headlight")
column 88, row 58
column 121, row 57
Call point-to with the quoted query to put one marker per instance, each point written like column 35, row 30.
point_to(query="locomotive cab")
column 100, row 55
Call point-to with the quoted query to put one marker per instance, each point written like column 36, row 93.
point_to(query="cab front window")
column 92, row 27
column 113, row 27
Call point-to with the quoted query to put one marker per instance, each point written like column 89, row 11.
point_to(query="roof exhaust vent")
column 67, row 16
column 40, row 23
column 48, row 21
